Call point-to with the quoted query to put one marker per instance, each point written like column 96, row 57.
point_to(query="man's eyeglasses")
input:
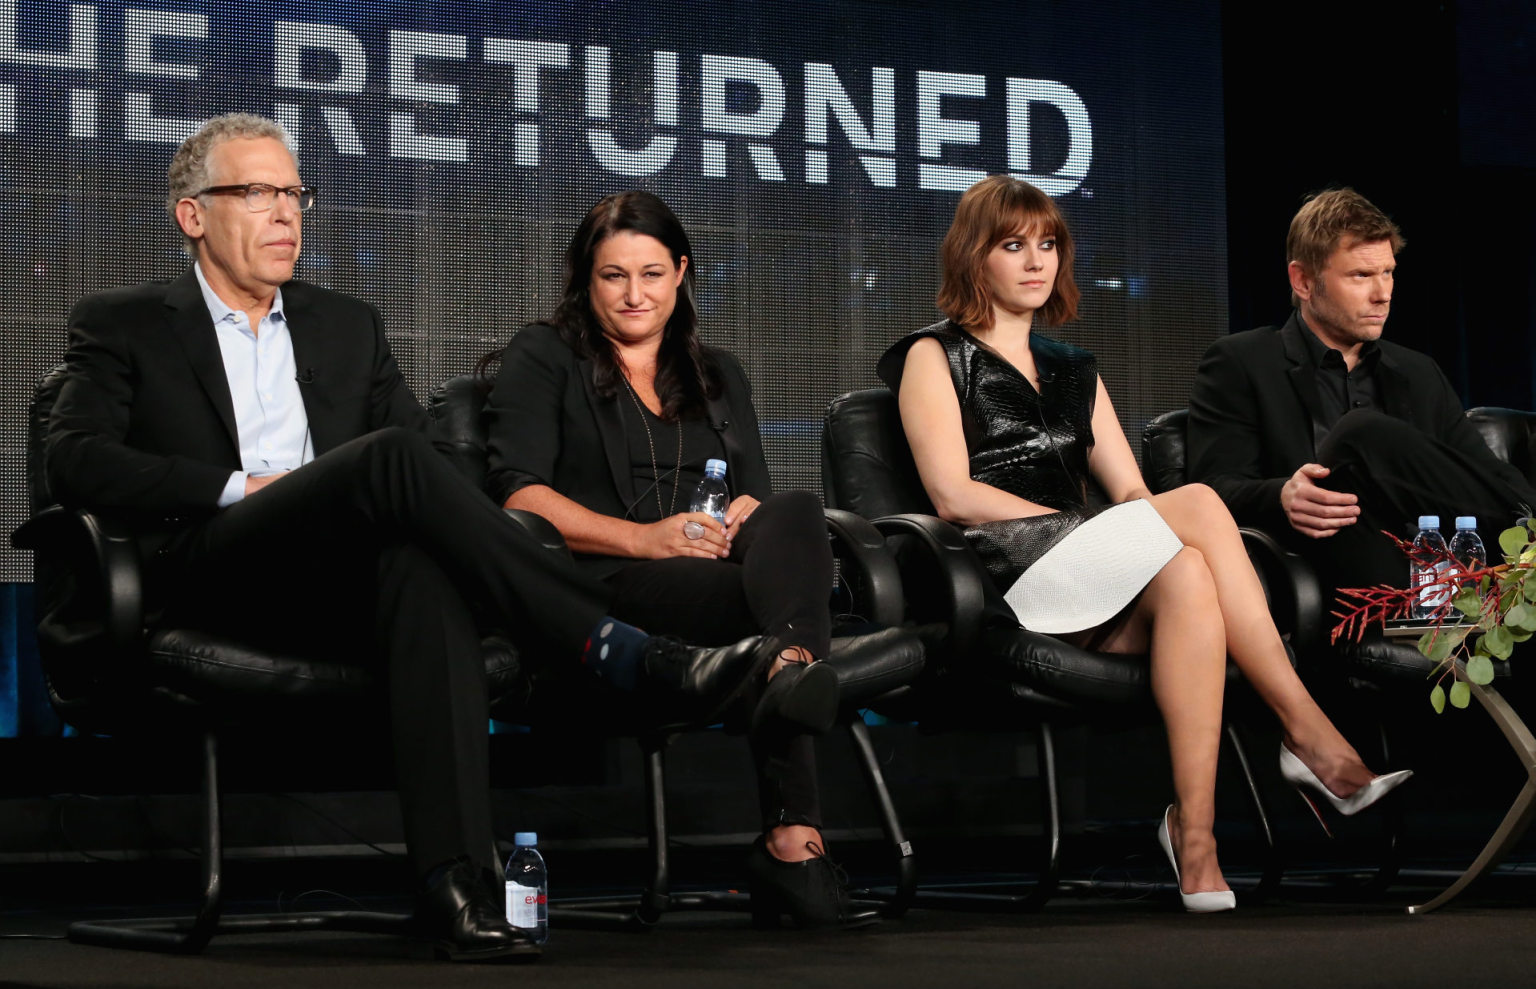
column 260, row 197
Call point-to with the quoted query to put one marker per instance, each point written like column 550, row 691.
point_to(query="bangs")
column 1021, row 210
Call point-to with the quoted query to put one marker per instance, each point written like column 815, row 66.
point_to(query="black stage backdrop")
column 814, row 150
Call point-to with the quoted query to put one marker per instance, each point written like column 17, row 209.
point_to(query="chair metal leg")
column 906, row 864
column 1391, row 828
column 190, row 935
column 177, row 935
column 642, row 912
column 1520, row 813
column 655, row 898
column 1049, row 875
column 1274, row 865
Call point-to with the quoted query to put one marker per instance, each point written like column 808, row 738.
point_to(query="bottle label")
column 1435, row 585
column 523, row 905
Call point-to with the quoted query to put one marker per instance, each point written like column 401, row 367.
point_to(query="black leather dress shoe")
column 707, row 680
column 464, row 921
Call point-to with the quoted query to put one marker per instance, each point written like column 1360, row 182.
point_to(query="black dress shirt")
column 1339, row 389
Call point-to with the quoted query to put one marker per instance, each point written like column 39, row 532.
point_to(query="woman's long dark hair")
column 685, row 376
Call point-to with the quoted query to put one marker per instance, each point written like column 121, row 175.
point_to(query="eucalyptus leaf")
column 1498, row 642
column 1528, row 588
column 1437, row 699
column 1520, row 634
column 1470, row 603
column 1518, row 615
column 1480, row 670
column 1436, row 645
column 1512, row 541
column 1461, row 694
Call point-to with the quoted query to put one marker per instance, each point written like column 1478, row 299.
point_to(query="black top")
column 1030, row 443
column 1339, row 389
column 699, row 443
column 546, row 424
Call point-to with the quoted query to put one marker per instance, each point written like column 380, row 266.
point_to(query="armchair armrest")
column 955, row 575
column 103, row 560
column 1295, row 594
column 859, row 546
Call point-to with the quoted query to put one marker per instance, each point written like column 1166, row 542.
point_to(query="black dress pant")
column 777, row 580
column 379, row 548
column 1399, row 473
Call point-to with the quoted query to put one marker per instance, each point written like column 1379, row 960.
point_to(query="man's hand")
column 1314, row 511
column 254, row 483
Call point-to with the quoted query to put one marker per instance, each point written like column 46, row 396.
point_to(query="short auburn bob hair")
column 990, row 212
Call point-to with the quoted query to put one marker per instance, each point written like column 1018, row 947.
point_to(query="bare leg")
column 788, row 842
column 1198, row 517
column 1175, row 616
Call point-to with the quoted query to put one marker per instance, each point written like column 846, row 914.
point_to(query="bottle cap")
column 715, row 467
column 1429, row 521
column 525, row 839
column 1466, row 521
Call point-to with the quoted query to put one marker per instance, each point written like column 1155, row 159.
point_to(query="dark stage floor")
column 1312, row 935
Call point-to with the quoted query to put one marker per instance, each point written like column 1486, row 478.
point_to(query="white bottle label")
column 522, row 905
column 1435, row 585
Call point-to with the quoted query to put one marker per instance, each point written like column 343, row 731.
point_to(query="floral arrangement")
column 1483, row 613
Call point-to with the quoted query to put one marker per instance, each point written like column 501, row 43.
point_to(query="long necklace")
column 651, row 444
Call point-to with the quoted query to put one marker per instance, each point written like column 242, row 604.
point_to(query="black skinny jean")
column 776, row 581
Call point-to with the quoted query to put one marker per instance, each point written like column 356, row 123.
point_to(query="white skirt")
column 1097, row 569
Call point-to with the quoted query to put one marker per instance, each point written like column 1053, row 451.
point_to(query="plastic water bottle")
column 528, row 888
column 1467, row 545
column 712, row 497
column 1427, row 577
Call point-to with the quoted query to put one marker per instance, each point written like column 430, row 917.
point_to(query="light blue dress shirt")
column 263, row 382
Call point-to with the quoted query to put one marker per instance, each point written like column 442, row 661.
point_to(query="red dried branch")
column 1363, row 607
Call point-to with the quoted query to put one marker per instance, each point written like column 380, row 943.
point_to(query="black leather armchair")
column 1387, row 670
column 870, row 664
column 990, row 676
column 108, row 671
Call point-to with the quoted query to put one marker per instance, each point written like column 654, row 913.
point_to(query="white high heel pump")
column 1209, row 902
column 1299, row 776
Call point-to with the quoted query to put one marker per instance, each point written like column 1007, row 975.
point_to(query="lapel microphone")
column 306, row 377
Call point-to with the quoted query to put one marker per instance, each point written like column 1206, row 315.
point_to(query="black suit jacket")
column 1253, row 416
column 547, row 425
column 144, row 425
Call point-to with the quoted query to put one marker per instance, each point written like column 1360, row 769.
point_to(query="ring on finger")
column 693, row 530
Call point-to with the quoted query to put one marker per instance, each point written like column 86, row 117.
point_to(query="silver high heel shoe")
column 1210, row 902
column 1298, row 775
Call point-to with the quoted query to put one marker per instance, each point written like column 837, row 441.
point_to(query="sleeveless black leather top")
column 1028, row 443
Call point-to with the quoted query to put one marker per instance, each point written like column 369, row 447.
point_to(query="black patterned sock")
column 615, row 652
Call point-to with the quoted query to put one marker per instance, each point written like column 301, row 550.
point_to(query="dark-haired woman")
column 602, row 421
column 1007, row 427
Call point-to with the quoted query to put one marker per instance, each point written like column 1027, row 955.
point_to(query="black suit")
column 377, row 534
column 1254, row 418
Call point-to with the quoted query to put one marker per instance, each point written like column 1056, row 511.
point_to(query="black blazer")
column 1253, row 416
column 547, row 425
column 144, row 426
